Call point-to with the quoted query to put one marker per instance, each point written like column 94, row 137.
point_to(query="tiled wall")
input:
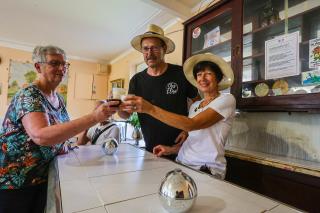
column 295, row 135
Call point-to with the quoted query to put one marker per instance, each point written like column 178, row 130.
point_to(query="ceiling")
column 91, row 30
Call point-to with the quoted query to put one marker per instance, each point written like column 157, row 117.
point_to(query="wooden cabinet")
column 99, row 87
column 91, row 86
column 269, row 76
column 296, row 189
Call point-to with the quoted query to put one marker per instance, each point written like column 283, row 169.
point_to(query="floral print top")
column 22, row 162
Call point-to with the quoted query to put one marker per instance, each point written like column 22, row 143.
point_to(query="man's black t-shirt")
column 168, row 91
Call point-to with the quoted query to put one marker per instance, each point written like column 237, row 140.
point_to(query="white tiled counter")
column 88, row 181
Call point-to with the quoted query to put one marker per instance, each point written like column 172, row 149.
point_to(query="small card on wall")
column 310, row 77
column 314, row 53
column 212, row 37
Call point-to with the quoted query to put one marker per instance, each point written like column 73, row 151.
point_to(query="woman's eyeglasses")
column 57, row 64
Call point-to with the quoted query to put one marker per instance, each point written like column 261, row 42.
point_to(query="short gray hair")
column 39, row 53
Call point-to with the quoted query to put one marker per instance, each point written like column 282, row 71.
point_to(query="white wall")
column 295, row 135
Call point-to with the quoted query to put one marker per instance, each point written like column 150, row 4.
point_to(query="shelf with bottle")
column 277, row 27
column 295, row 19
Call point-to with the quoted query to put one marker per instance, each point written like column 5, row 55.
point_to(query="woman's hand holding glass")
column 105, row 110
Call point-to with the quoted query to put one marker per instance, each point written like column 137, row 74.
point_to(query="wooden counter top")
column 290, row 164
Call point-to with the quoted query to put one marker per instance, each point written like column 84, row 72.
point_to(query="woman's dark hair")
column 202, row 65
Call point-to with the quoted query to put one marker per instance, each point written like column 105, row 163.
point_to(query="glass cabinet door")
column 214, row 37
column 273, row 47
column 281, row 49
column 213, row 33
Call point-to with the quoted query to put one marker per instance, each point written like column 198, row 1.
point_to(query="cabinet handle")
column 236, row 50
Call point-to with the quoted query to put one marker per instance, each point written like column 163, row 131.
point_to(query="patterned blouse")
column 22, row 162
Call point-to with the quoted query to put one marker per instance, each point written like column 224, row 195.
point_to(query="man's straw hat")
column 153, row 31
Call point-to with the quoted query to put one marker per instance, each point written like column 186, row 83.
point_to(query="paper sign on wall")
column 282, row 56
column 314, row 53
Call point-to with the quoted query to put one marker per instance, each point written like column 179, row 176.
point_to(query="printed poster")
column 314, row 53
column 282, row 56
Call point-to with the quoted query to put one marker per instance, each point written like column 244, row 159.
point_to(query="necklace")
column 205, row 103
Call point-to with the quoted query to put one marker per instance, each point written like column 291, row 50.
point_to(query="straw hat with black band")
column 153, row 31
column 227, row 71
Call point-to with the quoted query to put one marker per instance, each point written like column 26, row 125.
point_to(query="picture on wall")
column 21, row 74
column 314, row 53
column 118, row 83
column 310, row 77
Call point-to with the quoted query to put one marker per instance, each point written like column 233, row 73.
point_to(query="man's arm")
column 181, row 137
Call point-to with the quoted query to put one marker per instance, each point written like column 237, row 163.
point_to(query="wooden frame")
column 117, row 83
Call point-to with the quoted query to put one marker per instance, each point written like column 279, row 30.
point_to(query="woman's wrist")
column 186, row 134
column 174, row 149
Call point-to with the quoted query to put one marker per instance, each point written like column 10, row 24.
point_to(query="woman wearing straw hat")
column 163, row 85
column 209, row 121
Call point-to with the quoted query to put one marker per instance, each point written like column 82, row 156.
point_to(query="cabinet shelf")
column 217, row 47
column 258, row 55
column 256, row 82
column 282, row 22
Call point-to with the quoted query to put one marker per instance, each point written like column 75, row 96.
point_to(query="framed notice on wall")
column 282, row 56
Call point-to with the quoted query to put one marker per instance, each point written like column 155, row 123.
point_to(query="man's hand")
column 181, row 137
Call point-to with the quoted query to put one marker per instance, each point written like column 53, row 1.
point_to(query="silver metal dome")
column 110, row 146
column 178, row 191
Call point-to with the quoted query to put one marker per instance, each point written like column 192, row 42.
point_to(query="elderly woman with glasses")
column 35, row 128
column 209, row 121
